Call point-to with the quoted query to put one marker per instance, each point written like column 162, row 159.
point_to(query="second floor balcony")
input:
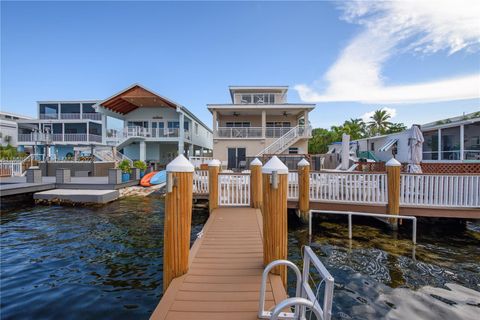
column 258, row 132
column 47, row 138
column 70, row 116
column 154, row 133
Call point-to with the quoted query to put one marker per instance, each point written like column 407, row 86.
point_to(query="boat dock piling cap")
column 214, row 163
column 275, row 164
column 303, row 163
column 256, row 162
column 393, row 163
column 180, row 164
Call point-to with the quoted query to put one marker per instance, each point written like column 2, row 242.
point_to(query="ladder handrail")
column 305, row 297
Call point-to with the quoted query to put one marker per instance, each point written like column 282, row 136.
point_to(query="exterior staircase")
column 108, row 155
column 287, row 140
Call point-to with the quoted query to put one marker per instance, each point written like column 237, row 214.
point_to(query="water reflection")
column 376, row 276
column 84, row 262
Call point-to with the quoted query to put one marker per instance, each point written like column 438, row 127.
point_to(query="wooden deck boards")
column 226, row 265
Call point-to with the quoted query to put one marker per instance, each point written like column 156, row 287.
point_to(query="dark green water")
column 106, row 263
column 84, row 262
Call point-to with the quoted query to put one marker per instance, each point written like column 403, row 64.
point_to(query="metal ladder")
column 305, row 298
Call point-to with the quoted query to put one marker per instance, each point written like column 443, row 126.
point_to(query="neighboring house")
column 61, row 126
column 450, row 140
column 455, row 139
column 258, row 121
column 156, row 129
column 9, row 128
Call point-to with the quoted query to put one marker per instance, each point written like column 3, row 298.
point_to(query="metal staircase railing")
column 288, row 139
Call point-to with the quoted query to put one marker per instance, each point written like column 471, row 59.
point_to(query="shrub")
column 124, row 165
column 140, row 165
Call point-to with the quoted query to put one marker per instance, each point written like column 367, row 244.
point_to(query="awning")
column 388, row 145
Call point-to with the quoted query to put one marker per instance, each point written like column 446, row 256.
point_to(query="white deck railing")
column 234, row 189
column 200, row 182
column 289, row 138
column 11, row 168
column 197, row 161
column 69, row 116
column 293, row 192
column 239, row 132
column 440, row 190
column 348, row 187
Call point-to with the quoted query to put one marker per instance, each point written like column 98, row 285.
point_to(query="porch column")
column 181, row 133
column 305, row 118
column 462, row 141
column 88, row 130
column 143, row 150
column 191, row 151
column 104, row 129
column 201, row 151
column 264, row 122
column 439, row 144
column 214, row 122
column 63, row 131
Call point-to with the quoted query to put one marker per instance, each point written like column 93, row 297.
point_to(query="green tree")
column 355, row 128
column 379, row 122
column 396, row 127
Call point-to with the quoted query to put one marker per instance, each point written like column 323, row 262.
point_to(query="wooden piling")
column 393, row 185
column 275, row 230
column 213, row 170
column 256, row 194
column 304, row 189
column 178, row 219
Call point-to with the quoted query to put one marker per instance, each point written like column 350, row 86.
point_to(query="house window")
column 196, row 129
column 173, row 124
column 246, row 99
column 143, row 124
column 293, row 150
column 372, row 146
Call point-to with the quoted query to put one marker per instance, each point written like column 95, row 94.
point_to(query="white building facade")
column 9, row 128
column 155, row 128
column 258, row 122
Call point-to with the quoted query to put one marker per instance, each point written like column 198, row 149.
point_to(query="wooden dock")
column 225, row 270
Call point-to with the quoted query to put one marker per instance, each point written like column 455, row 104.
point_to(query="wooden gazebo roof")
column 133, row 98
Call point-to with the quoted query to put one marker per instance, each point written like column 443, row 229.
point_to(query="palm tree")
column 379, row 124
column 355, row 128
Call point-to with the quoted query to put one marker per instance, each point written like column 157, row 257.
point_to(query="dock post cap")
column 256, row 162
column 214, row 163
column 303, row 163
column 275, row 164
column 180, row 164
column 393, row 163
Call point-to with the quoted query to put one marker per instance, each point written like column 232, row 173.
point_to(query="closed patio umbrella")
column 415, row 150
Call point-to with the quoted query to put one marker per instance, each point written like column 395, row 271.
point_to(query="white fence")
column 292, row 193
column 197, row 161
column 440, row 190
column 11, row 168
column 200, row 182
column 233, row 189
column 348, row 187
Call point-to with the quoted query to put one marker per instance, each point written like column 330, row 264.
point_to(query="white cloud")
column 391, row 111
column 395, row 27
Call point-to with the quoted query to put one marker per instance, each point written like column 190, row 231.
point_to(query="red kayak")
column 145, row 182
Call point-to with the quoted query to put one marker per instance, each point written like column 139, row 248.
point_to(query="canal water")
column 105, row 262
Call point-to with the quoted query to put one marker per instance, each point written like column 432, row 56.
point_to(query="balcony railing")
column 252, row 132
column 48, row 115
column 59, row 137
column 239, row 132
column 92, row 116
column 68, row 116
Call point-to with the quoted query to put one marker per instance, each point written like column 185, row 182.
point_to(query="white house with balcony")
column 155, row 128
column 9, row 127
column 258, row 122
column 61, row 126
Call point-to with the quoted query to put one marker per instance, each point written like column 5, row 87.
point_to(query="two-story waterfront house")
column 259, row 121
column 61, row 126
column 9, row 127
column 156, row 129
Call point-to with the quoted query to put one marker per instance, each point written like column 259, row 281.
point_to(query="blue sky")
column 342, row 56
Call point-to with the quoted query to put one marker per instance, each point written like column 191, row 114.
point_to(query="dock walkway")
column 225, row 270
